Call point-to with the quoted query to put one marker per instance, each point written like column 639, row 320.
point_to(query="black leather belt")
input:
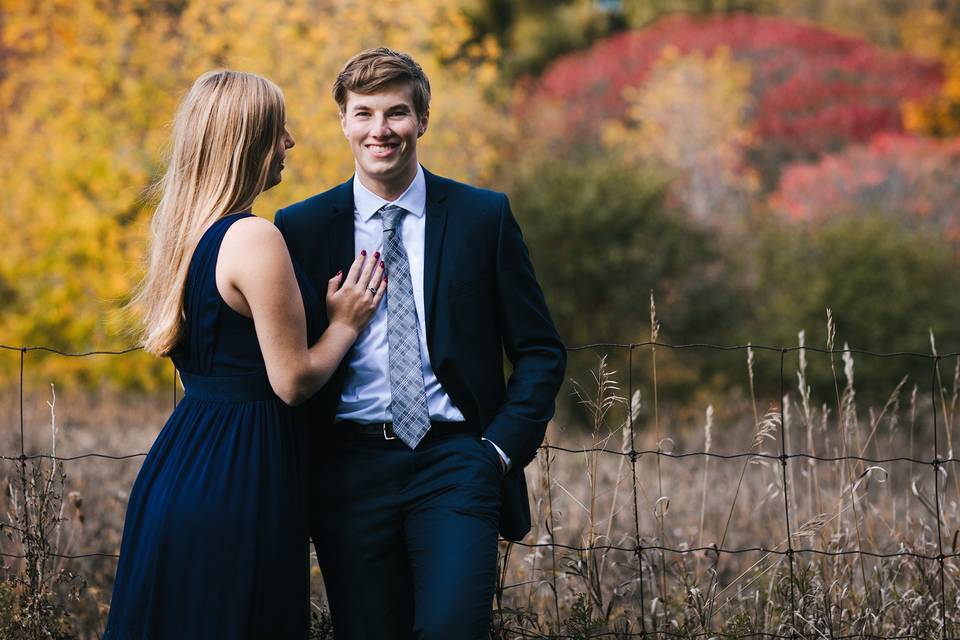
column 384, row 430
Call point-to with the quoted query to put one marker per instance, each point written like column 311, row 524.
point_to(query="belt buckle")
column 383, row 425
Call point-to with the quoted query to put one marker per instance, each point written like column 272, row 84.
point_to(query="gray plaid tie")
column 411, row 418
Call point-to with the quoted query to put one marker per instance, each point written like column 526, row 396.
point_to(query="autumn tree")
column 877, row 20
column 700, row 141
column 903, row 178
column 532, row 32
column 640, row 13
column 85, row 113
column 931, row 34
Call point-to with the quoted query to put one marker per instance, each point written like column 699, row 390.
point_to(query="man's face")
column 383, row 129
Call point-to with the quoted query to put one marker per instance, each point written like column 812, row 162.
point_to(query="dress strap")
column 203, row 303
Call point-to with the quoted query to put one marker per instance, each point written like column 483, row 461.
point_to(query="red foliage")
column 815, row 90
column 904, row 176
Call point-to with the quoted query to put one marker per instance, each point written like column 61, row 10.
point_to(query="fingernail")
column 376, row 256
column 363, row 252
column 340, row 273
column 382, row 266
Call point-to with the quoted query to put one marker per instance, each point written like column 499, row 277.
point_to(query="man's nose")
column 381, row 127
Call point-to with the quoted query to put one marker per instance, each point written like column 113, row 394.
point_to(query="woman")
column 214, row 542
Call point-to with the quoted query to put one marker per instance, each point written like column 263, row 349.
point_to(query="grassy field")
column 690, row 477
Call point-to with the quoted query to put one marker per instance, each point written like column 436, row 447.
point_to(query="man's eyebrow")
column 400, row 106
column 395, row 107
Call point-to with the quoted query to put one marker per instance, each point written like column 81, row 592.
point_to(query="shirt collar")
column 414, row 199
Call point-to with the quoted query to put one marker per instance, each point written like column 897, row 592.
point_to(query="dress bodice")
column 218, row 341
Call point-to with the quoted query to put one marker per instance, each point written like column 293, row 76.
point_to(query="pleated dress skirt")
column 215, row 540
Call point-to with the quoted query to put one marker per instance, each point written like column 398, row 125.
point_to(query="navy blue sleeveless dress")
column 215, row 541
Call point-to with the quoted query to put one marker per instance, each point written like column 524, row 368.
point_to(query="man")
column 424, row 460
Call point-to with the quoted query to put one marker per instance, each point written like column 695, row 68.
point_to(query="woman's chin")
column 273, row 181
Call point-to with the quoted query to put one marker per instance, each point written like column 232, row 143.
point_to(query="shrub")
column 887, row 286
column 602, row 239
column 901, row 177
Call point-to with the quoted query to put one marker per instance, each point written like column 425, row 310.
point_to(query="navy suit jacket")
column 481, row 300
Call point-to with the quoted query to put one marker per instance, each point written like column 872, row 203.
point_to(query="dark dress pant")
column 407, row 539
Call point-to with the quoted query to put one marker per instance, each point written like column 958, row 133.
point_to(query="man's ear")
column 424, row 119
column 343, row 123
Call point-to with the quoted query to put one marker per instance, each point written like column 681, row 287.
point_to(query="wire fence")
column 639, row 549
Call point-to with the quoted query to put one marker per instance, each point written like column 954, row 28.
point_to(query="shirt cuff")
column 503, row 456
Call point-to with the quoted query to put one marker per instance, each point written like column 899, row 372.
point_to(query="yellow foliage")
column 700, row 141
column 87, row 91
column 928, row 33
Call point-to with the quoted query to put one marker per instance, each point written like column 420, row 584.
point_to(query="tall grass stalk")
column 809, row 419
column 947, row 422
column 626, row 445
column 41, row 590
column 707, row 441
column 831, row 343
column 763, row 430
column 599, row 403
column 662, row 503
column 850, row 423
column 547, row 462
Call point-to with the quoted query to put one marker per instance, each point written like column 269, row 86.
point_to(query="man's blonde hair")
column 373, row 69
column 225, row 138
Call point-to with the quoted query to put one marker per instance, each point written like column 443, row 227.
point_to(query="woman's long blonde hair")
column 225, row 138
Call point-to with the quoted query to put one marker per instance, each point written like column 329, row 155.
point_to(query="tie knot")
column 391, row 214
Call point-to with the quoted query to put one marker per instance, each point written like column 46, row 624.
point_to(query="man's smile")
column 382, row 149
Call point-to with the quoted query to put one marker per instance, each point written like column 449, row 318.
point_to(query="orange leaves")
column 928, row 33
column 87, row 92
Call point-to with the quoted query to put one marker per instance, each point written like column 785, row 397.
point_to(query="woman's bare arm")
column 255, row 277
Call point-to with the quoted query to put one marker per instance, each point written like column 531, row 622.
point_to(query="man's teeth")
column 379, row 148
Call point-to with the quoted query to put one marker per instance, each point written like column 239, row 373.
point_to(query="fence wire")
column 634, row 455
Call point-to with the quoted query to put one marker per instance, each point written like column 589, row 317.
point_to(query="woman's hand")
column 353, row 304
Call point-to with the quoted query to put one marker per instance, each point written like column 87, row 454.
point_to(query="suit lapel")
column 433, row 244
column 341, row 238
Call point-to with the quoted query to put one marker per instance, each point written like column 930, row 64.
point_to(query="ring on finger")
column 372, row 290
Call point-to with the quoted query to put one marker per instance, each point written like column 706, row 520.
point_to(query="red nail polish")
column 376, row 256
column 363, row 252
column 382, row 266
column 340, row 273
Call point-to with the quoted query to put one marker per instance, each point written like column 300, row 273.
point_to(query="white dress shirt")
column 366, row 391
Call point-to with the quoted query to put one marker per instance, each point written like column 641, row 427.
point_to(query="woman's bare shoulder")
column 253, row 243
column 251, row 233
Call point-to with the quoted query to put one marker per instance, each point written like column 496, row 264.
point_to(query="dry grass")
column 686, row 500
column 594, row 503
